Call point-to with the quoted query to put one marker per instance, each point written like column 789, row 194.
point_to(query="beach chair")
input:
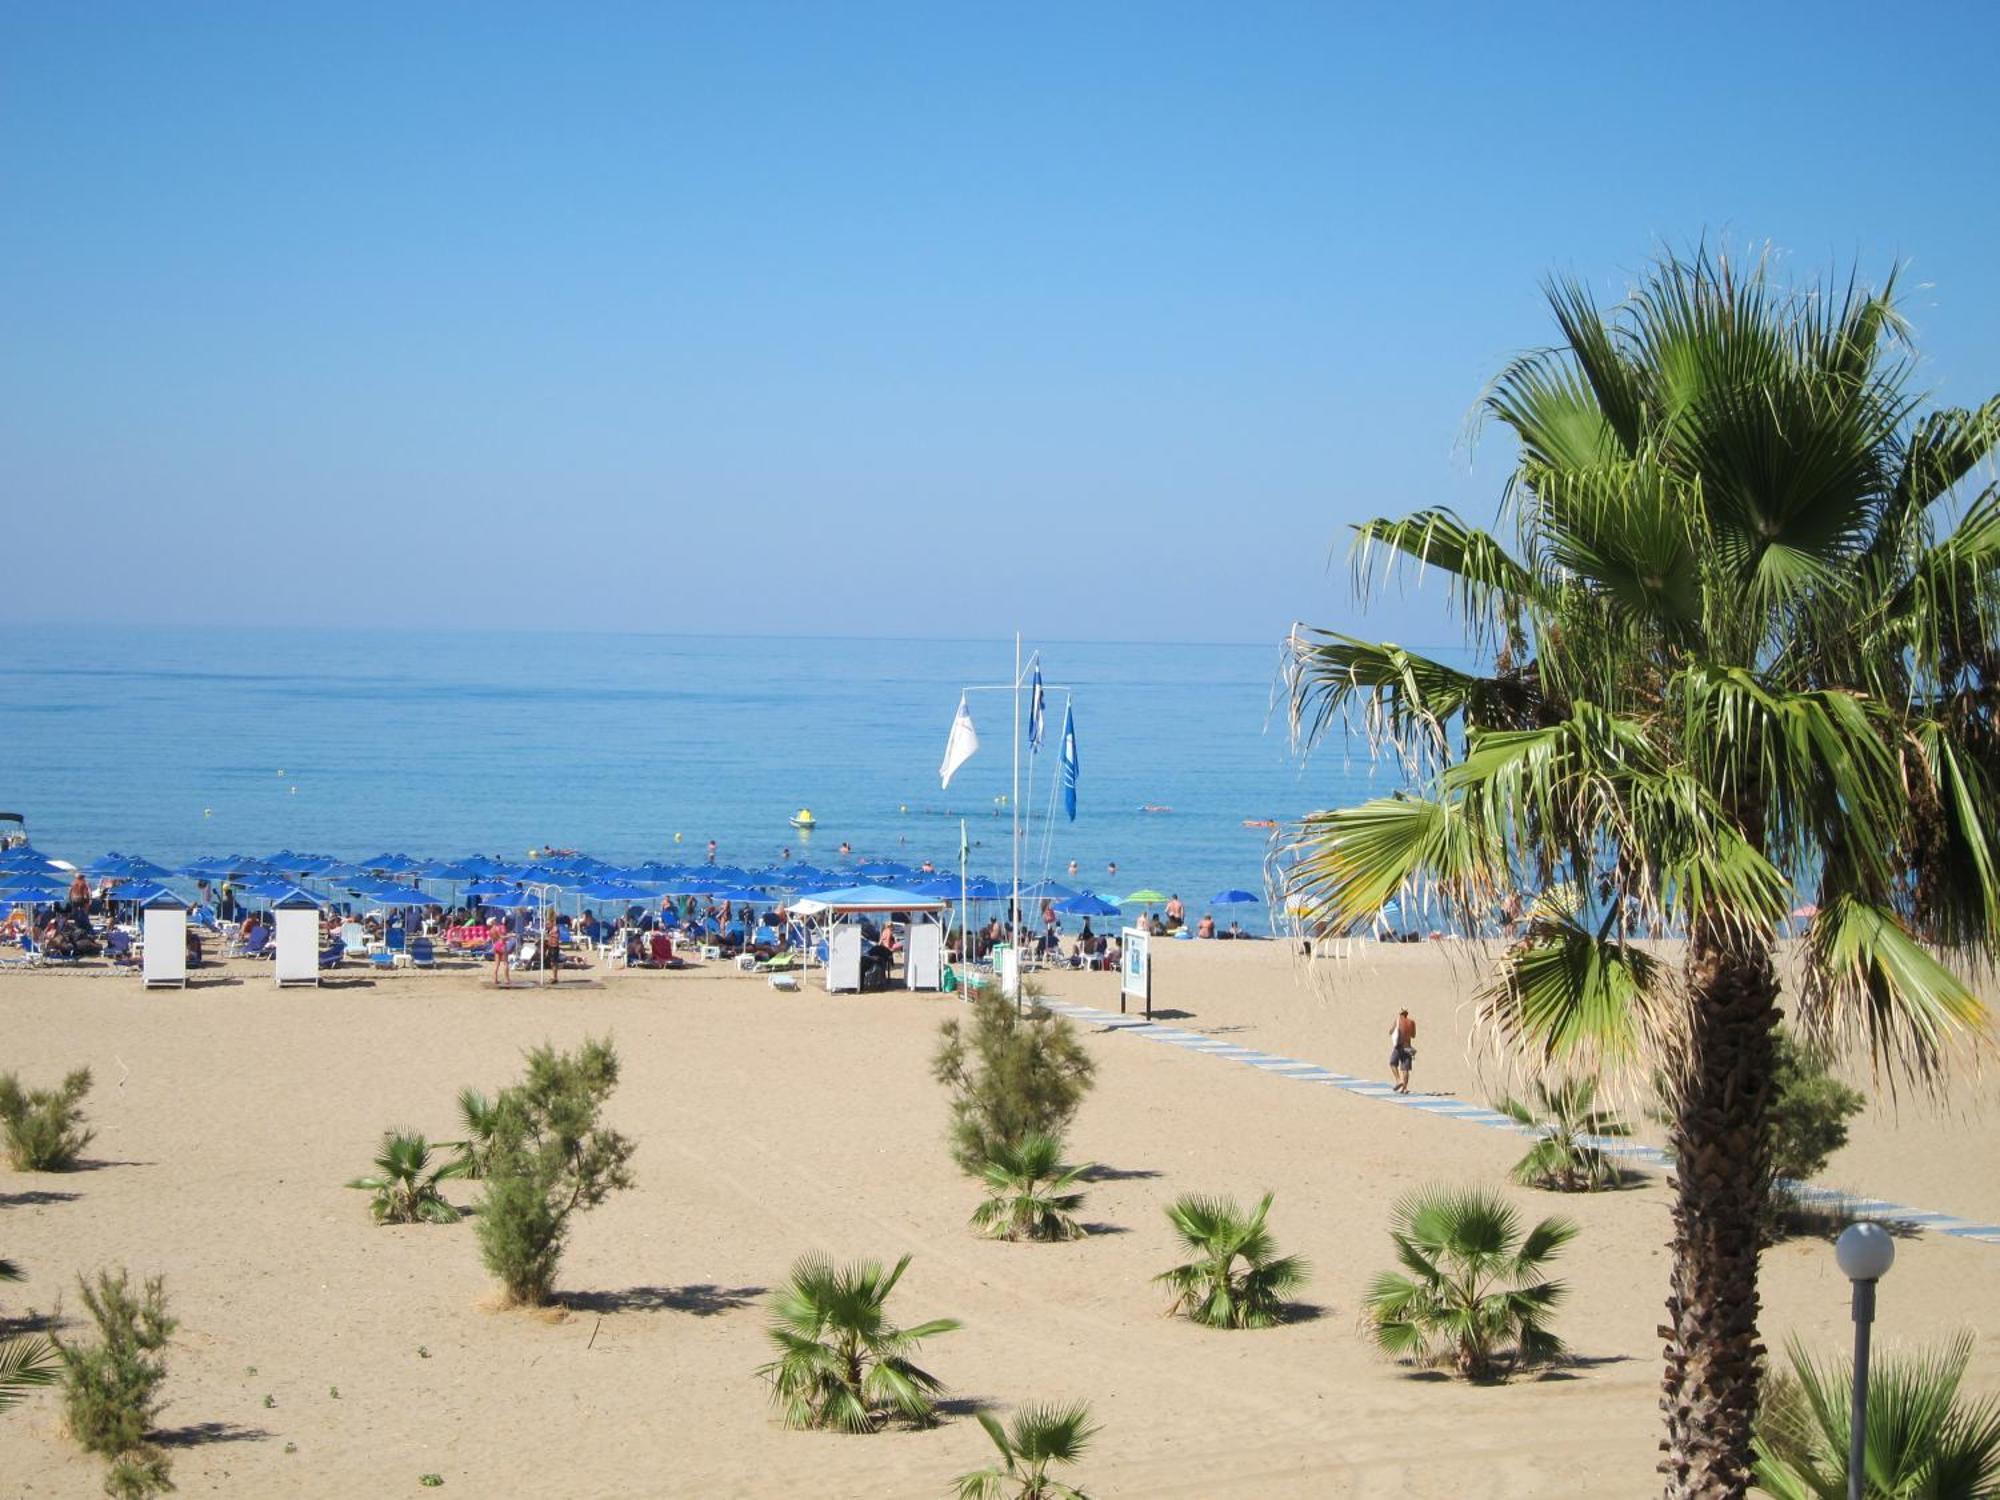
column 118, row 948
column 30, row 956
column 660, row 952
column 258, row 946
column 422, row 954
column 382, row 958
column 354, row 937
column 331, row 955
column 397, row 940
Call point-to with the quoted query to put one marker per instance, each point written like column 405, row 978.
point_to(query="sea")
column 180, row 742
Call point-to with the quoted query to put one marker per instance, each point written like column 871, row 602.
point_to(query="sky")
column 1098, row 321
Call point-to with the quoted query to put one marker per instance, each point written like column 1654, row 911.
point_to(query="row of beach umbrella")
column 392, row 879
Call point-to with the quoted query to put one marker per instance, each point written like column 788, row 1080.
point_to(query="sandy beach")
column 770, row 1124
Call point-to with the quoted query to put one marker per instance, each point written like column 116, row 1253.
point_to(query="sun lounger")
column 118, row 948
column 258, row 946
column 30, row 956
column 331, row 955
column 422, row 954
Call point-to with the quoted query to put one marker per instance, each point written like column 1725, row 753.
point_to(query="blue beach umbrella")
column 1087, row 905
column 1232, row 898
column 32, row 893
column 126, row 867
column 512, row 901
column 611, row 890
column 398, row 895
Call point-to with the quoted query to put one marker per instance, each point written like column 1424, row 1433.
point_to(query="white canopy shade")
column 866, row 898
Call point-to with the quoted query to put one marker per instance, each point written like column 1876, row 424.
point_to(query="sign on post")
column 1136, row 975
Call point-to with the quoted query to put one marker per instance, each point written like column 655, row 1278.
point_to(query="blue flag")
column 1035, row 713
column 1070, row 764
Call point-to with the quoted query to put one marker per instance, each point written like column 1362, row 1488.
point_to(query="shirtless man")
column 1402, row 1050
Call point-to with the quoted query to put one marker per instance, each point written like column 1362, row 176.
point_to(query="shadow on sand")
column 1101, row 1173
column 35, row 1197
column 703, row 1300
column 199, row 1434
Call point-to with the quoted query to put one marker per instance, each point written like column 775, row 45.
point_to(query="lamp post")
column 1865, row 1253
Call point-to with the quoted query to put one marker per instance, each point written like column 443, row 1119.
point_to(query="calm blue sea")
column 173, row 743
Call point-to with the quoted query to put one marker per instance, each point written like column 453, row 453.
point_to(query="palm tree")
column 1566, row 1156
column 24, row 1362
column 1038, row 1436
column 405, row 1185
column 841, row 1363
column 1744, row 643
column 1029, row 1192
column 1213, row 1288
column 1922, row 1443
column 480, row 1117
column 1473, row 1296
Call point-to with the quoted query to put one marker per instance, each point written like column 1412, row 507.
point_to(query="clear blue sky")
column 1097, row 319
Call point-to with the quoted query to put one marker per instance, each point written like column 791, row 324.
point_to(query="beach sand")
column 769, row 1124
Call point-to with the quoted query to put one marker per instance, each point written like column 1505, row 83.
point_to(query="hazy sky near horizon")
column 1100, row 321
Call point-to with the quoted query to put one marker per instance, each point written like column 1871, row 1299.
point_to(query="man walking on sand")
column 1402, row 1050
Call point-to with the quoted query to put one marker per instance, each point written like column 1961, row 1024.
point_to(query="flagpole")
column 1014, row 810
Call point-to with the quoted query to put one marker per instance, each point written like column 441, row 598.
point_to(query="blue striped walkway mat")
column 1478, row 1114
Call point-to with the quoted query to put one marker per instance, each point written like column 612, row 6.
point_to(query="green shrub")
column 405, row 1184
column 44, row 1127
column 24, row 1362
column 477, row 1114
column 110, row 1388
column 1471, row 1293
column 841, row 1363
column 1011, row 1076
column 1040, row 1435
column 1030, row 1194
column 1236, row 1279
column 1807, row 1119
column 1925, row 1438
column 549, row 1159
column 1564, row 1157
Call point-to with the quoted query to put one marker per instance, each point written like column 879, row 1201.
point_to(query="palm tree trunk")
column 1709, row 1392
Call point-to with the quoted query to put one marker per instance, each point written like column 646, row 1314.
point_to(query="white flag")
column 960, row 747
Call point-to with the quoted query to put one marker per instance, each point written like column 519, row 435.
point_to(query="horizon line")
column 685, row 635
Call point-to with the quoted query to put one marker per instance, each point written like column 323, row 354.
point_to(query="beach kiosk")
column 163, row 918
column 923, row 956
column 843, row 957
column 296, row 918
column 844, row 939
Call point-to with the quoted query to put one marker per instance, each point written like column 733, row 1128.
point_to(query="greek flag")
column 1070, row 764
column 1035, row 713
